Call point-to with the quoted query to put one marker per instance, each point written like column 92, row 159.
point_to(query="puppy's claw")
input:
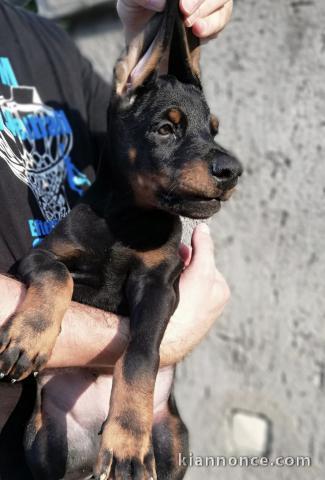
column 103, row 470
column 102, row 477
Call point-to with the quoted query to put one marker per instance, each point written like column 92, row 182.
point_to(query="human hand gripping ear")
column 135, row 14
column 206, row 17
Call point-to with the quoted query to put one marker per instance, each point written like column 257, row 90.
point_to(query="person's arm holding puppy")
column 93, row 338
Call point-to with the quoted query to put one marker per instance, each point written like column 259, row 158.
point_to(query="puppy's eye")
column 165, row 130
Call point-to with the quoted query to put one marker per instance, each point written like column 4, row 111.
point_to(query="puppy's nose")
column 226, row 169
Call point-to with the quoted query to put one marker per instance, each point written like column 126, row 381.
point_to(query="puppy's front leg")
column 28, row 337
column 126, row 445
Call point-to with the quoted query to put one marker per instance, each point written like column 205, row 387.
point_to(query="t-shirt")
column 52, row 126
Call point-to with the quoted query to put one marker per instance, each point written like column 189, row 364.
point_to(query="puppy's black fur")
column 118, row 251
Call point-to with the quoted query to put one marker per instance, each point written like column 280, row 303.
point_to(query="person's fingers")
column 135, row 14
column 186, row 253
column 155, row 5
column 203, row 264
column 203, row 295
column 204, row 9
column 124, row 7
column 202, row 245
column 188, row 7
column 214, row 23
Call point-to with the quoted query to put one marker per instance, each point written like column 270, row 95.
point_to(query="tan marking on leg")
column 177, row 447
column 34, row 328
column 38, row 422
column 132, row 404
column 51, row 294
column 177, row 435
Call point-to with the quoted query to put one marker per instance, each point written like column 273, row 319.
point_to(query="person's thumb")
column 202, row 245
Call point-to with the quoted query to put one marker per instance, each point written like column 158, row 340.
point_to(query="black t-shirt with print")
column 52, row 124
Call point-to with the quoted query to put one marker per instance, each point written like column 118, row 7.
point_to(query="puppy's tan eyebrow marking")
column 175, row 115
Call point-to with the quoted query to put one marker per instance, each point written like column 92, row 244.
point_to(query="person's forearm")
column 88, row 335
column 91, row 337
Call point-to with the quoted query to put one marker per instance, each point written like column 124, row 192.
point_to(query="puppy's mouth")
column 193, row 206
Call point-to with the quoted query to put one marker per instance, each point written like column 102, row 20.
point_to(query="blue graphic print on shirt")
column 36, row 141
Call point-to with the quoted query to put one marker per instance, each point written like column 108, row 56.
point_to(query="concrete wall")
column 257, row 383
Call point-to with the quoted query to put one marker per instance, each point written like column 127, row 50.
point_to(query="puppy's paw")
column 26, row 342
column 125, row 455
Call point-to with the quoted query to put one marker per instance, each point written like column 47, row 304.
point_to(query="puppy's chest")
column 100, row 281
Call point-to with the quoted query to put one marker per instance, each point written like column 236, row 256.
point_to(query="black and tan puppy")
column 118, row 251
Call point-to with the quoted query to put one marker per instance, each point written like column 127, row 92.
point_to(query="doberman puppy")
column 118, row 250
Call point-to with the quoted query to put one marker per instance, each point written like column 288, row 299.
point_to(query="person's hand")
column 203, row 295
column 206, row 17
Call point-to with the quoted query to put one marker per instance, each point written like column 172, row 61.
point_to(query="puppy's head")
column 163, row 133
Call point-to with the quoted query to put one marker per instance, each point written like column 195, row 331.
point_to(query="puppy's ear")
column 142, row 57
column 184, row 57
column 164, row 37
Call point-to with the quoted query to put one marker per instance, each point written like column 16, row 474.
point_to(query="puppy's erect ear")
column 144, row 53
column 165, row 37
column 184, row 57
